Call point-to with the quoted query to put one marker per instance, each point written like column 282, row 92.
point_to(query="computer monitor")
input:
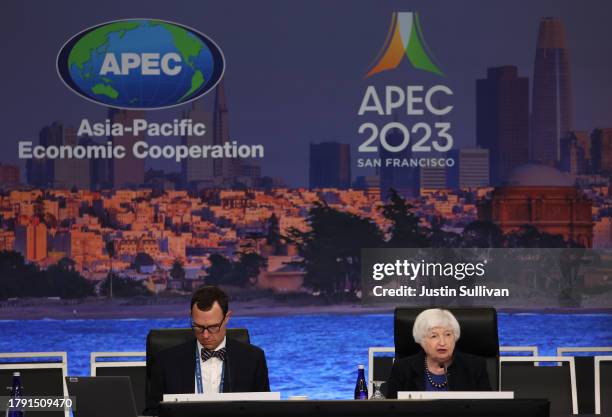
column 102, row 396
column 37, row 380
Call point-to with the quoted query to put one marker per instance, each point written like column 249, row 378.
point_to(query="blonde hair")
column 434, row 317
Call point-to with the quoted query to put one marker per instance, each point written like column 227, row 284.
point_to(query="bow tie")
column 207, row 354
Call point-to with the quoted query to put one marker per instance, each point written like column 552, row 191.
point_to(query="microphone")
column 443, row 365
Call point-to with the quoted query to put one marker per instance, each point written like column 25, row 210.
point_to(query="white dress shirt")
column 211, row 371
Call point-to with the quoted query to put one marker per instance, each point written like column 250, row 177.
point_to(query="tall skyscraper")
column 198, row 169
column 330, row 165
column 471, row 169
column 52, row 135
column 220, row 125
column 601, row 151
column 128, row 171
column 229, row 169
column 71, row 172
column 404, row 180
column 502, row 120
column 35, row 172
column 41, row 172
column 552, row 93
column 99, row 169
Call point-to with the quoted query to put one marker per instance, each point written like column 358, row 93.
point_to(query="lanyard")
column 199, row 386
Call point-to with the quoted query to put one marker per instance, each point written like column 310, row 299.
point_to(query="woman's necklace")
column 430, row 379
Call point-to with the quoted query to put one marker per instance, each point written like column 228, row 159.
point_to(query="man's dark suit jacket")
column 466, row 373
column 173, row 371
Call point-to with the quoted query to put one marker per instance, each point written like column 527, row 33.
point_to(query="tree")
column 440, row 238
column 405, row 229
column 482, row 234
column 443, row 239
column 14, row 273
column 273, row 237
column 123, row 287
column 18, row 279
column 548, row 263
column 332, row 248
column 66, row 264
column 177, row 271
column 66, row 283
column 220, row 269
column 247, row 268
column 528, row 236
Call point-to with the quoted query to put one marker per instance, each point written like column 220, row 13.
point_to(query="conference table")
column 352, row 408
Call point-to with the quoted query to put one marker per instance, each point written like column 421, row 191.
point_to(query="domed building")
column 544, row 197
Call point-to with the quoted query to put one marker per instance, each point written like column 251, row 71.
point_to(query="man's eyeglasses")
column 212, row 329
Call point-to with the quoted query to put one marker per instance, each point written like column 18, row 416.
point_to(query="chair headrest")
column 162, row 339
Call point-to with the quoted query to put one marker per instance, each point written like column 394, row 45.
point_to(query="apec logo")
column 424, row 130
column 140, row 64
column 405, row 39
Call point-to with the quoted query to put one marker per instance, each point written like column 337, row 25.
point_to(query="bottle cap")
column 360, row 366
column 16, row 374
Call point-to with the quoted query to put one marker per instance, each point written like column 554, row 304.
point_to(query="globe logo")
column 140, row 64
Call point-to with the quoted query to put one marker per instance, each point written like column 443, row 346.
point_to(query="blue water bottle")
column 361, row 388
column 16, row 393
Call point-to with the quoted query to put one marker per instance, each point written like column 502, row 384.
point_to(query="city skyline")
column 286, row 111
column 48, row 225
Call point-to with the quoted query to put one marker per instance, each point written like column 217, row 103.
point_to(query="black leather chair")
column 479, row 335
column 162, row 339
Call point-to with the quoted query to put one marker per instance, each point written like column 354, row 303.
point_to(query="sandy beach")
column 119, row 309
column 178, row 308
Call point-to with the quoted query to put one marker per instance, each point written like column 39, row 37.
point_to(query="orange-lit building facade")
column 543, row 197
column 31, row 240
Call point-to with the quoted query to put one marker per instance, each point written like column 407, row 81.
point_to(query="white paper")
column 455, row 395
column 223, row 396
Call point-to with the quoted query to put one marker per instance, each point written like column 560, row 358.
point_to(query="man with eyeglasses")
column 210, row 362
